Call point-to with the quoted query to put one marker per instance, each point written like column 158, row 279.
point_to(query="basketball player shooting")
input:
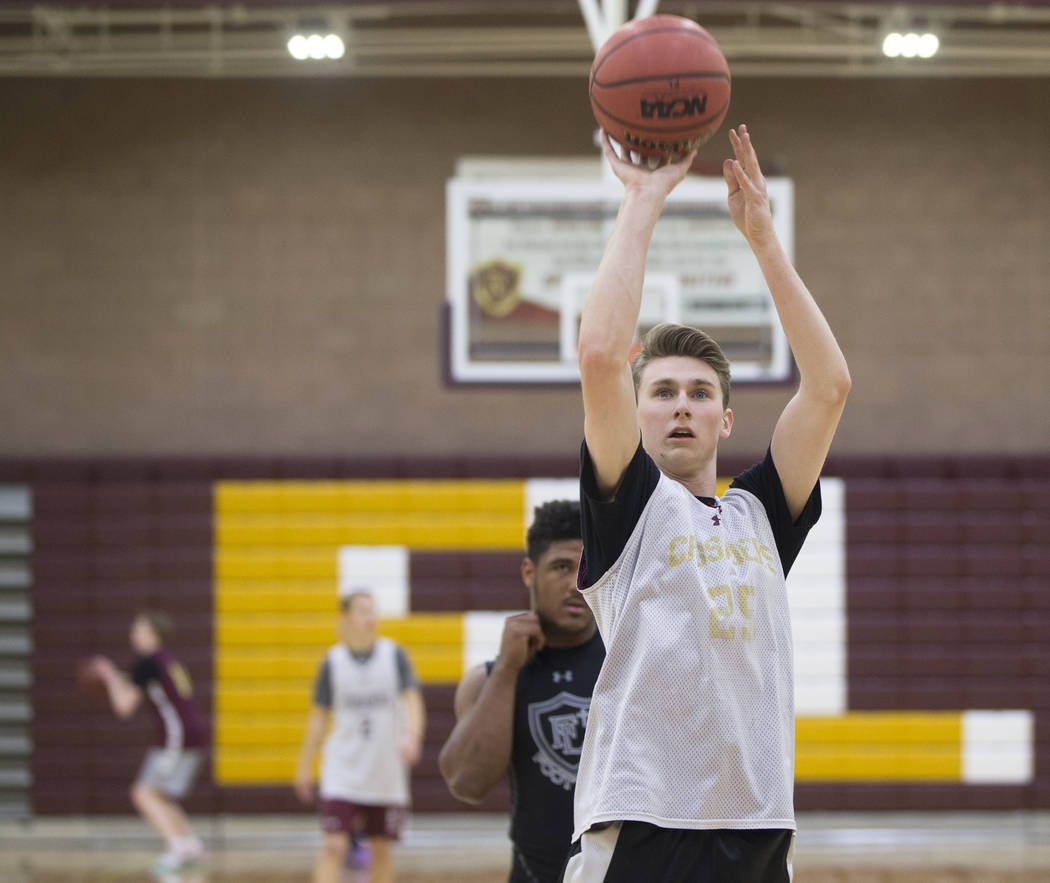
column 687, row 766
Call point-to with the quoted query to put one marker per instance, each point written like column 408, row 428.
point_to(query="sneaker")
column 168, row 863
column 172, row 863
column 358, row 856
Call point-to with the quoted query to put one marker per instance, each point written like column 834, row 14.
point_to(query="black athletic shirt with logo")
column 551, row 702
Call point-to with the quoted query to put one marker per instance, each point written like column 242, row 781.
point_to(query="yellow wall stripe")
column 880, row 746
column 276, row 569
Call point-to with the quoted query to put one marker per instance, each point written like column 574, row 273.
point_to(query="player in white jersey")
column 366, row 690
column 687, row 765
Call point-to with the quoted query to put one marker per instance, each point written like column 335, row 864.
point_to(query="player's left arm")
column 415, row 713
column 124, row 696
column 806, row 426
column 416, row 721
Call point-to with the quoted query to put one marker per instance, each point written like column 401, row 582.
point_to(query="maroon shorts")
column 344, row 817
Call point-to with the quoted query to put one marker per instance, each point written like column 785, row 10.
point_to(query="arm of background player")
column 476, row 756
column 316, row 726
column 124, row 696
column 416, row 721
column 610, row 315
column 807, row 425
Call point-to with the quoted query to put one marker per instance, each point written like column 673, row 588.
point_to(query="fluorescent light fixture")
column 891, row 46
column 910, row 45
column 928, row 45
column 316, row 47
column 297, row 47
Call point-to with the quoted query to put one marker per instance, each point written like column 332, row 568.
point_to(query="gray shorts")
column 170, row 772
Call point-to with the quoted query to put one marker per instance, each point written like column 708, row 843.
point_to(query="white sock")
column 188, row 846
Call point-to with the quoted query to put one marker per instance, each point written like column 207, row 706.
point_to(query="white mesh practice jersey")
column 361, row 762
column 692, row 720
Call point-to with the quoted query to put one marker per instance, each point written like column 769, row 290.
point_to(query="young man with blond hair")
column 367, row 694
column 687, row 766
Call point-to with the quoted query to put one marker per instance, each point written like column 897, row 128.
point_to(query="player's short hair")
column 160, row 622
column 669, row 339
column 347, row 601
column 552, row 521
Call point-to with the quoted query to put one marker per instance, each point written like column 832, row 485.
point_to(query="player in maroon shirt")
column 170, row 767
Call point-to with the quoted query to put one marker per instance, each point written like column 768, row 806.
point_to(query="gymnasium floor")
column 833, row 848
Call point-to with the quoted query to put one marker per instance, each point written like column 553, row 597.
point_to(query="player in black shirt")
column 524, row 714
column 158, row 680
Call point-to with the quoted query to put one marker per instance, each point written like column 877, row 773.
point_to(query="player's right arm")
column 610, row 315
column 316, row 726
column 125, row 697
column 476, row 756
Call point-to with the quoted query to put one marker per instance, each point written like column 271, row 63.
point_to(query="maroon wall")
column 948, row 605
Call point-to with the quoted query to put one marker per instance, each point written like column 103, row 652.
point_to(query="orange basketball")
column 89, row 682
column 660, row 85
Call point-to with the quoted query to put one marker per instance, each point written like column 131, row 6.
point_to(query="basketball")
column 89, row 682
column 660, row 86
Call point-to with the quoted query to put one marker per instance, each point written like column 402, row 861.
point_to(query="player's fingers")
column 532, row 627
column 749, row 157
column 730, row 176
column 609, row 147
column 747, row 184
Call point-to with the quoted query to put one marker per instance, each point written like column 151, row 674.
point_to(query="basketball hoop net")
column 602, row 17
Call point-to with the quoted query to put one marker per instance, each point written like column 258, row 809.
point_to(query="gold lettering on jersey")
column 713, row 547
column 723, row 596
column 702, row 552
column 744, row 595
column 769, row 560
column 180, row 679
column 676, row 557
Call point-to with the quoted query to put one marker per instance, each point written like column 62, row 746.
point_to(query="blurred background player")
column 366, row 688
column 524, row 714
column 169, row 770
column 687, row 769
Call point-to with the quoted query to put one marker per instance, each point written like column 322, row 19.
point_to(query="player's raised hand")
column 522, row 636
column 659, row 181
column 748, row 200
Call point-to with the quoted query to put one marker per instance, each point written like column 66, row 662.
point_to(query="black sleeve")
column 144, row 671
column 323, row 686
column 607, row 526
column 406, row 675
column 763, row 481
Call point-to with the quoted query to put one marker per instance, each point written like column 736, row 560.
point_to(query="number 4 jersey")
column 361, row 762
column 692, row 719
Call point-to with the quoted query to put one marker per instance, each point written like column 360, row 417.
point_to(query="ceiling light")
column 910, row 45
column 891, row 46
column 316, row 47
column 928, row 45
column 297, row 47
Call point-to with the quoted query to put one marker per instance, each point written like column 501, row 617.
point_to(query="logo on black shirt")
column 557, row 727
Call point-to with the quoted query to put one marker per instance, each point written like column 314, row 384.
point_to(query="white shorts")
column 170, row 772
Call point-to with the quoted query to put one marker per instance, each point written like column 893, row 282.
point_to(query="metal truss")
column 544, row 38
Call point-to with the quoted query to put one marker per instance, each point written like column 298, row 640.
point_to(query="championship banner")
column 522, row 253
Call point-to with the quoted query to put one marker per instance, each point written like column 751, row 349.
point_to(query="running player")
column 170, row 769
column 367, row 690
column 687, row 767
column 524, row 714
